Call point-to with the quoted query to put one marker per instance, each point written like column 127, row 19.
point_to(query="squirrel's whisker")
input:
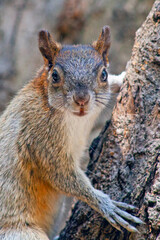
column 103, row 98
column 107, row 94
column 106, row 105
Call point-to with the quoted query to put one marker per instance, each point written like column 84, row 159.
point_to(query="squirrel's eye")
column 55, row 76
column 104, row 76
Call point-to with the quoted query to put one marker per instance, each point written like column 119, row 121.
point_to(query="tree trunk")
column 125, row 160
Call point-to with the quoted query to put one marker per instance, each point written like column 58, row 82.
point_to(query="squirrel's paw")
column 111, row 210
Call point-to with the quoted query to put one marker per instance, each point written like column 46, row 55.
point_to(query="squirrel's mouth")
column 81, row 112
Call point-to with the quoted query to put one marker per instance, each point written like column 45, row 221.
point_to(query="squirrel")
column 43, row 133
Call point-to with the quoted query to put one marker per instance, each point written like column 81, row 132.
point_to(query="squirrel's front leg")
column 77, row 184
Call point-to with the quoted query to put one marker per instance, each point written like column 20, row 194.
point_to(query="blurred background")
column 71, row 22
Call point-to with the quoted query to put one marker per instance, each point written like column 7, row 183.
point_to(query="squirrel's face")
column 78, row 81
column 77, row 75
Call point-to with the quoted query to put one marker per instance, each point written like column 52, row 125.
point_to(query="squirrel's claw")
column 124, row 223
column 119, row 215
column 128, row 216
column 111, row 210
column 114, row 224
column 124, row 205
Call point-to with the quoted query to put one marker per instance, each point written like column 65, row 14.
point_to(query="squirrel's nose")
column 81, row 99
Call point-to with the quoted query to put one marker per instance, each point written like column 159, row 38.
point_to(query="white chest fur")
column 77, row 131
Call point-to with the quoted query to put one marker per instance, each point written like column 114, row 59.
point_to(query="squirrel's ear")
column 103, row 43
column 48, row 47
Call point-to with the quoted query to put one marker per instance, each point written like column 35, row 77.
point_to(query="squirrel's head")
column 77, row 74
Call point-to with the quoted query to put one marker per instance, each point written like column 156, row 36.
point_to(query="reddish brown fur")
column 40, row 84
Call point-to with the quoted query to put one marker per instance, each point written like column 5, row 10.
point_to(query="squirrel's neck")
column 78, row 130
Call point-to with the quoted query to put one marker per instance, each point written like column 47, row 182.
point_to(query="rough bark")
column 125, row 160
